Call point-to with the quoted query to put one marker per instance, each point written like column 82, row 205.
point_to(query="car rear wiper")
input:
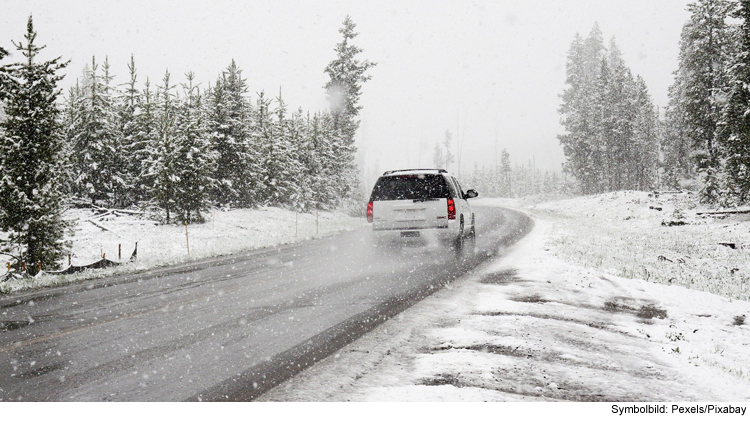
column 431, row 199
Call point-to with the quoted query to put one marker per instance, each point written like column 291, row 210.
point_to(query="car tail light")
column 369, row 211
column 451, row 209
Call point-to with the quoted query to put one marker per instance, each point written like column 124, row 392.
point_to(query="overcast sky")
column 497, row 67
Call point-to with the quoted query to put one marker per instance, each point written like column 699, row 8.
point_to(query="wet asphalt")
column 227, row 328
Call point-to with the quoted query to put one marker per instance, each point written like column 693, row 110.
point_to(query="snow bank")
column 224, row 232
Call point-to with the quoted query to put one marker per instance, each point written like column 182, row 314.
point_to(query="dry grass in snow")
column 655, row 238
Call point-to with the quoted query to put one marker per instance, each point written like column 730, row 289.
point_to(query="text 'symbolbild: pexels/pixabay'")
column 678, row 409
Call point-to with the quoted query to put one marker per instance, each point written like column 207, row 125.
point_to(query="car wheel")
column 472, row 241
column 458, row 242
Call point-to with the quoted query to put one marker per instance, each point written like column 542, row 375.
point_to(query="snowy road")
column 531, row 327
column 223, row 329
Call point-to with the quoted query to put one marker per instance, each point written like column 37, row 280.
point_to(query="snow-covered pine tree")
column 96, row 142
column 579, row 111
column 306, row 181
column 678, row 163
column 315, row 164
column 701, row 85
column 572, row 110
column 5, row 81
column 4, row 76
column 624, row 162
column 735, row 127
column 644, row 151
column 117, row 180
column 326, row 192
column 437, row 156
column 448, row 155
column 278, row 155
column 31, row 158
column 131, row 147
column 72, row 110
column 600, row 159
column 281, row 163
column 229, row 127
column 261, row 132
column 342, row 174
column 78, row 132
column 496, row 181
column 161, row 164
column 194, row 160
column 600, row 112
column 296, row 132
column 548, row 186
column 505, row 175
column 346, row 75
column 146, row 127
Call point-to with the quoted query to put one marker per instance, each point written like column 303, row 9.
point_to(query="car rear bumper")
column 417, row 235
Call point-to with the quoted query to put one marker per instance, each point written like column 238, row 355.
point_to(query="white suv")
column 421, row 203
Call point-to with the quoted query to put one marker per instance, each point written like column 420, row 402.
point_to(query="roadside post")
column 187, row 239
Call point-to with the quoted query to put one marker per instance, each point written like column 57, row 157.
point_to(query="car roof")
column 414, row 171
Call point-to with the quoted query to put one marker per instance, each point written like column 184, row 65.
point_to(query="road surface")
column 227, row 328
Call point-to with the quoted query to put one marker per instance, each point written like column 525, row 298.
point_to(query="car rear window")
column 410, row 187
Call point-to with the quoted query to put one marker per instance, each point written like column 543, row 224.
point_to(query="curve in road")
column 227, row 328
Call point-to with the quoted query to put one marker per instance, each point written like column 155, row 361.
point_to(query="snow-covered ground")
column 224, row 232
column 655, row 238
column 532, row 326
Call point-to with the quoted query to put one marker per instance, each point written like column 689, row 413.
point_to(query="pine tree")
column 678, row 164
column 297, row 132
column 162, row 153
column 98, row 161
column 229, row 128
column 307, row 158
column 644, row 153
column 346, row 75
column 117, row 181
column 442, row 156
column 5, row 79
column 600, row 160
column 437, row 157
column 735, row 128
column 505, row 175
column 71, row 118
column 448, row 157
column 701, row 85
column 277, row 154
column 327, row 185
column 579, row 113
column 194, row 161
column 131, row 147
column 31, row 158
column 609, row 120
column 623, row 150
